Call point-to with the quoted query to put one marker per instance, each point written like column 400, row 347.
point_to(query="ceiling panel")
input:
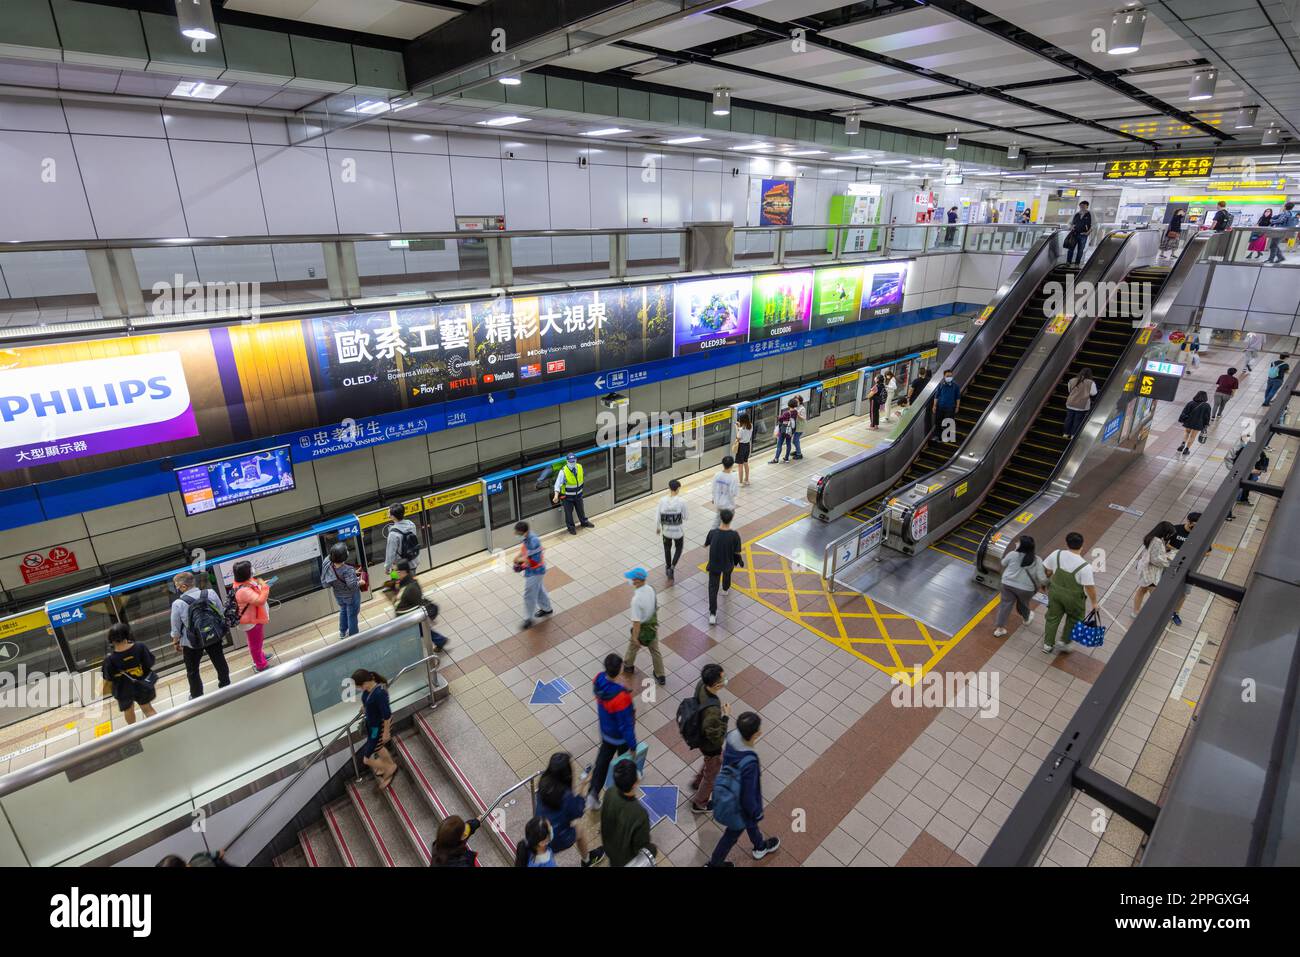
column 690, row 31
column 986, row 109
column 599, row 59
column 905, row 119
column 1082, row 98
column 829, row 68
column 1084, row 136
column 390, row 18
column 703, row 78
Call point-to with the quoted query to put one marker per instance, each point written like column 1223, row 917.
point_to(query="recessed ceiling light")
column 608, row 131
column 503, row 121
column 197, row 90
column 369, row 107
column 754, row 146
column 509, row 80
column 681, row 141
column 891, row 162
column 806, row 153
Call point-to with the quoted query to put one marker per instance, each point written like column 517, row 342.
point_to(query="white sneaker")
column 1048, row 649
column 713, row 619
column 999, row 632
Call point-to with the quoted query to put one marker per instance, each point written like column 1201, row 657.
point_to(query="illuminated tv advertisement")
column 776, row 202
column 229, row 481
column 882, row 290
column 710, row 313
column 837, row 296
column 781, row 304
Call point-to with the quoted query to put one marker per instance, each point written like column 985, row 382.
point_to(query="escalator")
column 1039, row 453
column 980, row 391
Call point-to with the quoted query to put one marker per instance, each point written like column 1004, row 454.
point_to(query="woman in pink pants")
column 250, row 597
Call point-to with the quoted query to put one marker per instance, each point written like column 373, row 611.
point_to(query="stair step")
column 318, row 846
column 355, row 848
column 293, row 857
column 382, row 825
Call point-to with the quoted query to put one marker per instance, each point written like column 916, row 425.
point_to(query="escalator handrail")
column 966, row 361
column 1020, row 420
column 1197, row 249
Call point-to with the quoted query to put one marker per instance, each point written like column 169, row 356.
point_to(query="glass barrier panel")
column 333, row 699
column 763, row 417
column 537, row 487
column 87, row 639
column 454, row 512
column 715, row 430
column 596, row 469
column 292, row 567
column 501, row 503
column 100, row 805
column 33, row 656
column 147, row 610
column 663, row 455
column 631, row 470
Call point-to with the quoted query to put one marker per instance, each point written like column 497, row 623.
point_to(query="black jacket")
column 1081, row 223
column 1196, row 415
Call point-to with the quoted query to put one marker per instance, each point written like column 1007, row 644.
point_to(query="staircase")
column 396, row 827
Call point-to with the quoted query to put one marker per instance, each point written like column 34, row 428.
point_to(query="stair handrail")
column 324, row 749
column 532, row 791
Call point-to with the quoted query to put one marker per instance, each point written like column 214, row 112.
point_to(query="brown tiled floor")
column 689, row 642
column 929, row 851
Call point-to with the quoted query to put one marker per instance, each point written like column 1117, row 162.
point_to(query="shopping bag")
column 1090, row 632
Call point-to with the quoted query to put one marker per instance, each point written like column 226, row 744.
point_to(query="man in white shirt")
column 1071, row 587
column 670, row 524
column 644, row 613
column 725, row 489
column 1253, row 343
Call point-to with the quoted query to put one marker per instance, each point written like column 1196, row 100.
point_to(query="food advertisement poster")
column 776, row 202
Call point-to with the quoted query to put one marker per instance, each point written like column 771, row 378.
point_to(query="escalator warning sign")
column 1145, row 335
column 960, row 490
column 1132, row 381
column 920, row 523
column 1024, row 518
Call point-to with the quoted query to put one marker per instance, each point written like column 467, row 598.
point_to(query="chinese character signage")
column 1159, row 168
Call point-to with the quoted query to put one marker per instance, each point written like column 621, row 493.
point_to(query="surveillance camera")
column 582, row 161
column 613, row 400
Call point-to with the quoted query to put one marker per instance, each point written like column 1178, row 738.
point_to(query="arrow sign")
column 550, row 692
column 661, row 802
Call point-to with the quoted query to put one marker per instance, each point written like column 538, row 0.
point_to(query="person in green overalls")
column 1070, row 588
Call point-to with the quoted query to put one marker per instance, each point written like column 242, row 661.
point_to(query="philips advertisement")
column 882, row 289
column 216, row 484
column 837, row 296
column 710, row 313
column 781, row 304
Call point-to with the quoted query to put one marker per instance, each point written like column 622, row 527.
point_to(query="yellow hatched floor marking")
column 830, row 625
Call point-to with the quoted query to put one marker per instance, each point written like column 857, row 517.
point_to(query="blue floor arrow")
column 660, row 801
column 550, row 692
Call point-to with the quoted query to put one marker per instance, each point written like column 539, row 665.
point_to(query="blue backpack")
column 727, row 807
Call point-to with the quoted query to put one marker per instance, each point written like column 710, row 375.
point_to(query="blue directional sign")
column 550, row 692
column 660, row 801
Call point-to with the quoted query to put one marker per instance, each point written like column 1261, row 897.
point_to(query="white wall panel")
column 608, row 190
column 675, row 196
column 476, row 186
column 424, row 198
column 212, row 127
column 418, row 141
column 32, row 208
column 35, row 116
column 296, row 190
column 219, row 188
column 365, row 198
column 111, row 119
column 706, row 196
column 131, row 185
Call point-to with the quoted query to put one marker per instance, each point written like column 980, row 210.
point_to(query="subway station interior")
column 972, row 324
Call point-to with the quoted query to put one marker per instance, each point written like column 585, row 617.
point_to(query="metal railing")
column 1067, row 767
column 530, row 781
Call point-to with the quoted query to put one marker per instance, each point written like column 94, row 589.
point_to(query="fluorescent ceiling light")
column 503, row 121
column 682, row 141
column 197, row 90
column 754, row 146
column 806, row 153
column 509, row 80
column 891, row 162
column 195, row 18
column 608, row 131
column 369, row 107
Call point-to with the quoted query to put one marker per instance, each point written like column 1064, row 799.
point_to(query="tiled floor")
column 849, row 777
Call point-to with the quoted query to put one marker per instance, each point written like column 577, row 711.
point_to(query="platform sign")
column 1165, row 368
column 920, row 523
column 1159, row 168
column 1112, row 427
column 39, row 567
column 1155, row 386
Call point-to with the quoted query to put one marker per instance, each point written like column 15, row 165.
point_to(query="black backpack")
column 409, row 546
column 690, row 721
column 205, row 625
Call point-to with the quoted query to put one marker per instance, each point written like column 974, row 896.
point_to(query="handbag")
column 1071, row 240
column 649, row 632
column 1089, row 632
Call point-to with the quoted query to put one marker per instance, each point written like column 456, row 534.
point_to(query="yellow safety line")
column 841, row 438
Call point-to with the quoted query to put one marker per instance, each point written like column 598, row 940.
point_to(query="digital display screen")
column 781, row 304
column 710, row 313
column 882, row 290
column 1165, row 168
column 240, row 478
column 837, row 296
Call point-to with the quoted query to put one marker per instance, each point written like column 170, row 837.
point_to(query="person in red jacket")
column 617, row 717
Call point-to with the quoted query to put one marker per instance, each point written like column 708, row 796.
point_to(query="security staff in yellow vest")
column 569, row 482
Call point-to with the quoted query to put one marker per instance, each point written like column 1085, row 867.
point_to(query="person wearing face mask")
column 531, row 561
column 947, row 399
column 705, row 728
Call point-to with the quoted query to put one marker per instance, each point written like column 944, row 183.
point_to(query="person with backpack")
column 401, row 544
column 876, row 399
column 738, row 793
column 1173, row 233
column 1277, row 373
column 379, row 725
column 1283, row 220
column 410, row 597
column 1080, row 391
column 339, row 574
column 250, row 598
column 1222, row 218
column 1259, row 241
column 784, row 431
column 725, row 555
column 535, row 849
column 624, row 821
column 1256, row 473
column 616, row 719
column 1177, row 539
column 1224, row 389
column 644, row 613
column 558, row 804
column 670, row 524
column 128, row 673
column 1195, row 419
column 702, row 720
column 198, row 628
column 532, row 563
column 1077, row 238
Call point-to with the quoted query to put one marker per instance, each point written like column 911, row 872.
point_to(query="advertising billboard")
column 710, row 313
column 241, row 478
column 781, row 304
column 776, row 202
column 837, row 296
column 882, row 289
